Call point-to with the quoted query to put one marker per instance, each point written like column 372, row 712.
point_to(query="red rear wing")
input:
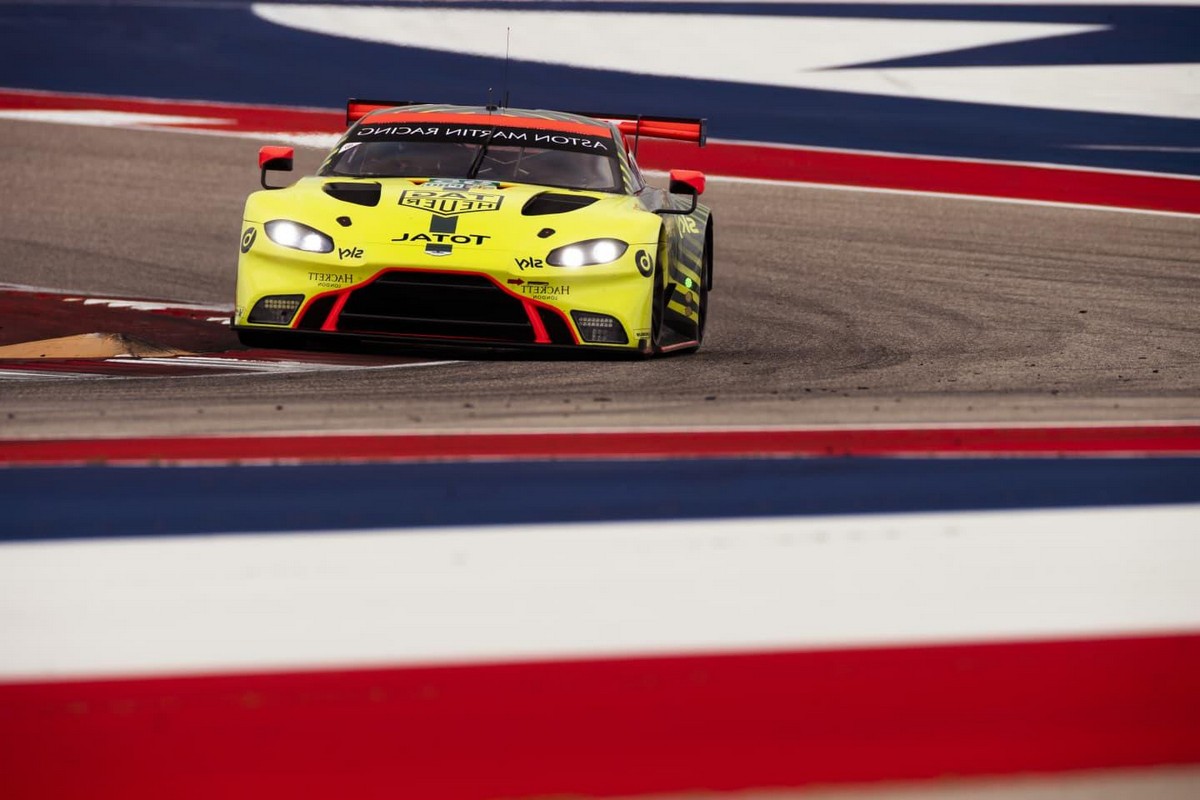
column 683, row 129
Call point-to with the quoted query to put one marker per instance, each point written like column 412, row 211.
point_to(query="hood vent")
column 363, row 194
column 554, row 203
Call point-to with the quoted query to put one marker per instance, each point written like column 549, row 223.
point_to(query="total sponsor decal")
column 442, row 238
column 445, row 209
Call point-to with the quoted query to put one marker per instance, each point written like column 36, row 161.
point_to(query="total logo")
column 529, row 263
column 442, row 238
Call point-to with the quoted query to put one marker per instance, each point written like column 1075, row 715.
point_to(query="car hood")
column 490, row 215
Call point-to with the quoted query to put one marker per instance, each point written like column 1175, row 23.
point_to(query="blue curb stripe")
column 95, row 502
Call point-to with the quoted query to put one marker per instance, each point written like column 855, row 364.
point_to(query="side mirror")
column 688, row 182
column 277, row 158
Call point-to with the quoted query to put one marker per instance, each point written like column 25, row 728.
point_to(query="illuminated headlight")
column 582, row 254
column 299, row 237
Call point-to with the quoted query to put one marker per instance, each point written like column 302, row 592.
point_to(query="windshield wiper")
column 478, row 162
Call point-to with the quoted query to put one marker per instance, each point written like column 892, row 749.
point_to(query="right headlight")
column 286, row 233
column 583, row 254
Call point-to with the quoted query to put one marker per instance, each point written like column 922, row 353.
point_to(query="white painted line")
column 617, row 429
column 792, row 51
column 470, row 595
column 1148, row 90
column 1132, row 3
column 799, row 52
column 148, row 305
column 229, row 364
column 39, row 375
column 955, row 159
column 252, row 366
column 105, row 119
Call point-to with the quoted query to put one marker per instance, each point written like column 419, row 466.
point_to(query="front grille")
column 438, row 305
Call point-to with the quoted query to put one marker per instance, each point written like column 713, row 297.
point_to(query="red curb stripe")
column 941, row 176
column 240, row 118
column 612, row 727
column 1033, row 441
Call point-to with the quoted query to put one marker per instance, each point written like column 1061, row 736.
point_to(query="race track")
column 831, row 306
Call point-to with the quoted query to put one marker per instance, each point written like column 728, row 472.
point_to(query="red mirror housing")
column 687, row 181
column 276, row 157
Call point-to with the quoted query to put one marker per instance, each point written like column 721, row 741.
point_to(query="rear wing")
column 682, row 129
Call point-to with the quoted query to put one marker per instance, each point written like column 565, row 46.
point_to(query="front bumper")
column 417, row 298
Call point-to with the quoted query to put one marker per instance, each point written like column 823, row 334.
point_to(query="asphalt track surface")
column 831, row 306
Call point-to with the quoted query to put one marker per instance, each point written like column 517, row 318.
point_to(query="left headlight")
column 582, row 254
column 299, row 237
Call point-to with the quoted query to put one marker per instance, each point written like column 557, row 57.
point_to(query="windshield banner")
column 480, row 134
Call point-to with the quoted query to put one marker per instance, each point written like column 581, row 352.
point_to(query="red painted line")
column 1033, row 441
column 1177, row 194
column 237, row 118
column 611, row 728
column 942, row 176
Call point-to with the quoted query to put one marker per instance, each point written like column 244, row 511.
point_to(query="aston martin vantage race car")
column 479, row 226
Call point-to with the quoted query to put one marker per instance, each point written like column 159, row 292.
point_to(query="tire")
column 658, row 300
column 706, row 271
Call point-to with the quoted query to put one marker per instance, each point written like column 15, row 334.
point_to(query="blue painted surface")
column 221, row 51
column 89, row 502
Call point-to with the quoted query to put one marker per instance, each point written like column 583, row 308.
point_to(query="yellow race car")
column 479, row 226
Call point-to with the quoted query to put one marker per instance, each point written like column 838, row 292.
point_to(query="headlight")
column 298, row 237
column 581, row 254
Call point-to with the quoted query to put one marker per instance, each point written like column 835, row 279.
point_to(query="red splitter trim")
column 1056, row 441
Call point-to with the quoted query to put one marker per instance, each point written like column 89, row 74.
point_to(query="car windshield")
column 565, row 161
